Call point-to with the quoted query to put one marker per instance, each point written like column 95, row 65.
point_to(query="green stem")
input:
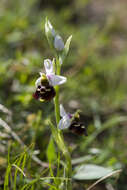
column 61, row 143
column 56, row 102
column 67, row 156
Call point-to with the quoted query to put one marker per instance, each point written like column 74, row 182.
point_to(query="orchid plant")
column 47, row 89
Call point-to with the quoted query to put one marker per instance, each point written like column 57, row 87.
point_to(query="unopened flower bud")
column 58, row 43
column 49, row 28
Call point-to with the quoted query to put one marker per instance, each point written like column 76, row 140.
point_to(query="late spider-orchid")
column 71, row 122
column 45, row 83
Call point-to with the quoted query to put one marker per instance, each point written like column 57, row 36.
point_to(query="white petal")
column 38, row 82
column 64, row 123
column 48, row 66
column 62, row 111
column 56, row 79
column 58, row 43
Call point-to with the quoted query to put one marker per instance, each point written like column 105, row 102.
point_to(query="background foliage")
column 96, row 68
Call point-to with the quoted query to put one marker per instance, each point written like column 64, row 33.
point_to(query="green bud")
column 50, row 32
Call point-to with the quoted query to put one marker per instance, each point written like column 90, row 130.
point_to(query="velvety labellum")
column 44, row 93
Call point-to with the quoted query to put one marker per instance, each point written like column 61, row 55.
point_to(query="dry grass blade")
column 103, row 178
column 5, row 110
column 17, row 138
column 19, row 169
column 9, row 130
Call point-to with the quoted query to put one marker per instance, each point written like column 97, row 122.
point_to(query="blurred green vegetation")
column 96, row 68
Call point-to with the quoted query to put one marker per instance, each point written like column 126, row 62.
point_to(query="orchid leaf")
column 51, row 155
column 91, row 172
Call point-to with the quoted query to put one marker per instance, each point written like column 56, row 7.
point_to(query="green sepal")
column 66, row 49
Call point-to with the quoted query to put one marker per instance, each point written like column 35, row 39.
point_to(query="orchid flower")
column 71, row 122
column 45, row 90
column 50, row 75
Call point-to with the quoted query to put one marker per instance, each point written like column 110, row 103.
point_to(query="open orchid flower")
column 71, row 122
column 50, row 75
column 45, row 83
